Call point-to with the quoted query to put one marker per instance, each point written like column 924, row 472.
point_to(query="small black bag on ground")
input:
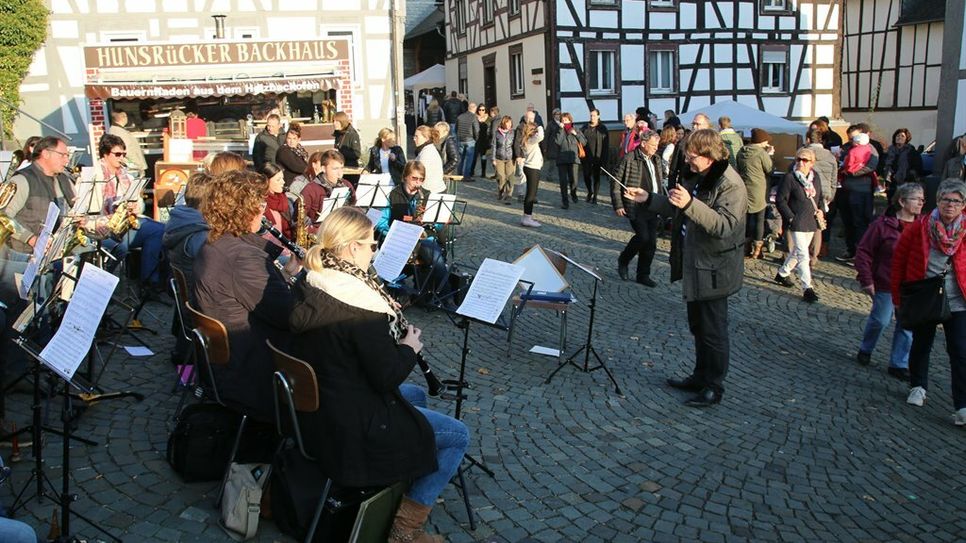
column 200, row 444
column 295, row 487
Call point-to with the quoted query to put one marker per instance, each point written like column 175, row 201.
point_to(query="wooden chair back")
column 216, row 335
column 301, row 380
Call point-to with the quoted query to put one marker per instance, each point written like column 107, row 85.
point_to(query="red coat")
column 911, row 257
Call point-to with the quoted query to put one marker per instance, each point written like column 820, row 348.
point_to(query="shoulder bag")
column 923, row 303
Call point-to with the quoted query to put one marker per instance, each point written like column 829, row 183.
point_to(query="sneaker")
column 959, row 417
column 527, row 220
column 916, row 396
column 846, row 257
column 864, row 358
column 810, row 296
column 783, row 280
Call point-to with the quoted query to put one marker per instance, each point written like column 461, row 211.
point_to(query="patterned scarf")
column 301, row 152
column 806, row 182
column 946, row 238
column 397, row 325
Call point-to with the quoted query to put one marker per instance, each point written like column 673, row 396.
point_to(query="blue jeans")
column 14, row 531
column 467, row 157
column 148, row 238
column 879, row 319
column 922, row 339
column 452, row 438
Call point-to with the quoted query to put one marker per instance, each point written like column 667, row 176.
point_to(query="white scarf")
column 349, row 290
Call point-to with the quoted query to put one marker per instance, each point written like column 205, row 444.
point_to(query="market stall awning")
column 198, row 88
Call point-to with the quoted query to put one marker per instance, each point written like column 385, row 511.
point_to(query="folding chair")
column 297, row 391
column 187, row 377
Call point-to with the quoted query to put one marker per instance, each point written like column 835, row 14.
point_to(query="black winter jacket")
column 794, row 206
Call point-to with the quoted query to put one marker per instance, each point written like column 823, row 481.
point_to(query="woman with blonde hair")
column 531, row 159
column 446, row 147
column 371, row 428
column 802, row 207
column 386, row 156
column 427, row 154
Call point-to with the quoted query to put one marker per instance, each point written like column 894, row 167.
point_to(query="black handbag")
column 923, row 302
column 199, row 446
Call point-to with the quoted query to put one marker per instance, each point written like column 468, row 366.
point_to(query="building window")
column 604, row 3
column 601, row 71
column 774, row 70
column 516, row 71
column 514, row 7
column 663, row 4
column 327, row 31
column 487, row 12
column 774, row 5
column 464, row 82
column 123, row 36
column 460, row 14
column 660, row 71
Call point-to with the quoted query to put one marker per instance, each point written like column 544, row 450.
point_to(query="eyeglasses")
column 951, row 202
column 414, row 178
column 373, row 245
column 917, row 199
column 689, row 157
column 119, row 154
column 61, row 153
column 800, row 159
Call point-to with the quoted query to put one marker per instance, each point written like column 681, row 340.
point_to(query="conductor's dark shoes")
column 706, row 398
column 688, row 383
column 622, row 271
column 647, row 282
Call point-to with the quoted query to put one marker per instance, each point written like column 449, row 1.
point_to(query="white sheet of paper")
column 538, row 349
column 30, row 273
column 180, row 150
column 338, row 198
column 439, row 208
column 374, row 214
column 372, row 196
column 396, row 249
column 376, row 179
column 137, row 350
column 67, row 349
column 490, row 290
column 6, row 162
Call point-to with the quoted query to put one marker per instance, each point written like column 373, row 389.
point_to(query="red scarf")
column 278, row 212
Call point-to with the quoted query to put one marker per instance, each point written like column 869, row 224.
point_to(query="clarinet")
column 433, row 384
column 287, row 243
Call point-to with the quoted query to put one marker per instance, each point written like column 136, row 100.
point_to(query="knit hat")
column 759, row 135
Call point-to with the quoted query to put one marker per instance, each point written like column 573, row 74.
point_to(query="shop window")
column 601, row 70
column 516, row 72
column 660, row 71
column 774, row 69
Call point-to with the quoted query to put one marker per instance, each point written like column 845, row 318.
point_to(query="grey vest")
column 40, row 194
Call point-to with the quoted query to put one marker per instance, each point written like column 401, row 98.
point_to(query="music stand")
column 373, row 196
column 588, row 347
column 449, row 212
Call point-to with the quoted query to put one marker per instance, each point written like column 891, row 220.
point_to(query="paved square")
column 806, row 446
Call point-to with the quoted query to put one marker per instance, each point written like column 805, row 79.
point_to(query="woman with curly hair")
column 236, row 282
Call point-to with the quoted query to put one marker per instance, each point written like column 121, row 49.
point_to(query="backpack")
column 200, row 444
column 242, row 498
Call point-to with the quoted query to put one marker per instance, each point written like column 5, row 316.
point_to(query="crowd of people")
column 715, row 192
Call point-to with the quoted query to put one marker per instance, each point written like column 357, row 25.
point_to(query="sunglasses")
column 803, row 159
column 119, row 154
column 373, row 245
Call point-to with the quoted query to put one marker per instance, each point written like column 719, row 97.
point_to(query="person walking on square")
column 640, row 169
column 569, row 140
column 873, row 268
column 930, row 247
column 708, row 231
column 731, row 139
column 802, row 208
column 530, row 158
column 467, row 132
column 754, row 166
column 597, row 149
column 503, row 163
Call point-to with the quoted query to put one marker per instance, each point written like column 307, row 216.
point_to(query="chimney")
column 219, row 26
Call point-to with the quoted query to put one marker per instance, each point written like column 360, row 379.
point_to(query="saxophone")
column 301, row 230
column 7, row 225
column 121, row 221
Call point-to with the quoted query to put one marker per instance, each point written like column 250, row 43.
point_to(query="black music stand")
column 379, row 193
column 458, row 385
column 588, row 347
column 453, row 211
column 64, row 498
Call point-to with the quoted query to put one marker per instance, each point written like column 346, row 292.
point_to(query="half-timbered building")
column 891, row 62
column 780, row 56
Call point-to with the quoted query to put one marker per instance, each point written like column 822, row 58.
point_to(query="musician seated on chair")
column 186, row 231
column 237, row 283
column 320, row 187
column 141, row 231
column 407, row 202
column 371, row 429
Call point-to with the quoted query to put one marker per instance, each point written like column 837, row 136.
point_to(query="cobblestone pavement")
column 806, row 446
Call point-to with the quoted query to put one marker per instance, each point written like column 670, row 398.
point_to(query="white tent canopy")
column 744, row 118
column 426, row 79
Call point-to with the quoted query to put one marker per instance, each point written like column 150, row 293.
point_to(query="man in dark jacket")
column 597, row 150
column 639, row 169
column 267, row 142
column 708, row 231
column 467, row 132
column 452, row 107
column 857, row 173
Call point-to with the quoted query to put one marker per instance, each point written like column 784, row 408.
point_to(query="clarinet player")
column 370, row 429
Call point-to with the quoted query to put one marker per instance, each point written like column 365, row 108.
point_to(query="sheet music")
column 374, row 214
column 338, row 198
column 40, row 247
column 89, row 197
column 135, row 189
column 396, row 249
column 439, row 208
column 372, row 196
column 67, row 349
column 383, row 179
column 490, row 290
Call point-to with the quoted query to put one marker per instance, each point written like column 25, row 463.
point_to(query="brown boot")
column 756, row 249
column 408, row 525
